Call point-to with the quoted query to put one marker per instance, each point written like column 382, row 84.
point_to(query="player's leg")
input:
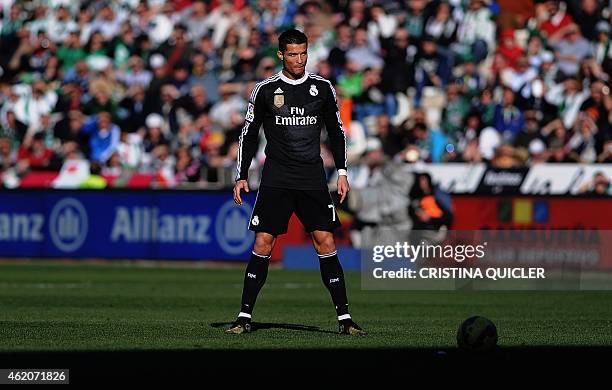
column 317, row 212
column 331, row 271
column 255, row 277
column 270, row 217
column 333, row 279
column 256, row 272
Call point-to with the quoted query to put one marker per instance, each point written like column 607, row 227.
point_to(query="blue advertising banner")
column 162, row 225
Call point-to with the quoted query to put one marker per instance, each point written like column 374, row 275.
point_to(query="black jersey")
column 292, row 113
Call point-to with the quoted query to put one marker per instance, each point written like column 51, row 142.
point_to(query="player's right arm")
column 247, row 142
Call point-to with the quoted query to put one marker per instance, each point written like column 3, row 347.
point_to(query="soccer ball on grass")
column 477, row 334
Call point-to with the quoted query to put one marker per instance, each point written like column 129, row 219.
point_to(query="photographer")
column 429, row 208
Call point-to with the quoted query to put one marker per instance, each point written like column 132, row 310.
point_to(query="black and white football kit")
column 293, row 113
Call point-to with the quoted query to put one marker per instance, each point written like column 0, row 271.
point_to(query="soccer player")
column 293, row 105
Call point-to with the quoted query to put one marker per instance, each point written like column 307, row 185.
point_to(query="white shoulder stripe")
column 247, row 124
column 261, row 84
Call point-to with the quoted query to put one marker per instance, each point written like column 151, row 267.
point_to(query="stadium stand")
column 155, row 91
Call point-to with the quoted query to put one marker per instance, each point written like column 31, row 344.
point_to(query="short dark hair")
column 292, row 36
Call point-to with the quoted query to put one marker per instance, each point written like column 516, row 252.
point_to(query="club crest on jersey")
column 255, row 221
column 279, row 100
column 313, row 90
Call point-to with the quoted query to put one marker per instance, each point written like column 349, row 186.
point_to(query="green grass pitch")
column 115, row 307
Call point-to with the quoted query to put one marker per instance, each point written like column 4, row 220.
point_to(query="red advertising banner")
column 537, row 213
column 531, row 212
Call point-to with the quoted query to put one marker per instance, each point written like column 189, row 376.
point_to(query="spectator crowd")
column 160, row 87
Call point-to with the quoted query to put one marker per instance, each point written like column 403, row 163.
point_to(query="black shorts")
column 274, row 207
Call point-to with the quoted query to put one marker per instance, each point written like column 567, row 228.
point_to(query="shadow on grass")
column 255, row 326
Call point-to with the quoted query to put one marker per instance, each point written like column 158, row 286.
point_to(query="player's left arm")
column 337, row 140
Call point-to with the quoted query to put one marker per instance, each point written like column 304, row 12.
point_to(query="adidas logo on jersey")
column 278, row 90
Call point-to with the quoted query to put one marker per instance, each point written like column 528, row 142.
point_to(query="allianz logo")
column 68, row 225
column 231, row 228
column 234, row 226
column 146, row 224
column 21, row 227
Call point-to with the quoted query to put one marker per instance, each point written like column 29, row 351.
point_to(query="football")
column 477, row 334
